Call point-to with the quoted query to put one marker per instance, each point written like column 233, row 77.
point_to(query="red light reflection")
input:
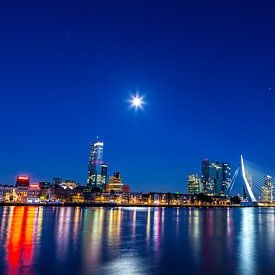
column 20, row 238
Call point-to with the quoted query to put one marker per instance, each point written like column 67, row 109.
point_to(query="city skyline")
column 67, row 75
column 216, row 178
column 98, row 174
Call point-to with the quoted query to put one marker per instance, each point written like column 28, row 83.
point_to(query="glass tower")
column 193, row 184
column 95, row 165
column 104, row 170
column 267, row 189
column 226, row 178
column 216, row 177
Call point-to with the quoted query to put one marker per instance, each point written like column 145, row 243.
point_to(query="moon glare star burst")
column 137, row 102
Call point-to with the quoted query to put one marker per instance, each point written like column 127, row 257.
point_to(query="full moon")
column 137, row 102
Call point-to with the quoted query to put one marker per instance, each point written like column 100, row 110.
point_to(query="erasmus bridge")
column 252, row 180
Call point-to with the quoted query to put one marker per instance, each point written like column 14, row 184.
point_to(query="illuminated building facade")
column 104, row 174
column 77, row 194
column 116, row 184
column 68, row 184
column 22, row 181
column 95, row 166
column 226, row 178
column 216, row 177
column 194, row 184
column 7, row 193
column 33, row 193
column 22, row 188
column 267, row 189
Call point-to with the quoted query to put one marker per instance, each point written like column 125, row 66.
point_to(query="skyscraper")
column 226, row 178
column 104, row 172
column 193, row 184
column 267, row 189
column 216, row 177
column 95, row 166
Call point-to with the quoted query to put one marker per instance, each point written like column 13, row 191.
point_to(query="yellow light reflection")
column 63, row 230
column 77, row 218
column 3, row 225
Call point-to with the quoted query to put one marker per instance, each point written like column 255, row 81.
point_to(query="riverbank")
column 67, row 204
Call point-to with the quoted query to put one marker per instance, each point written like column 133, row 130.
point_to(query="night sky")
column 68, row 68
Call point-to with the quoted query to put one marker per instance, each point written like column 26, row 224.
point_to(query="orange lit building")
column 116, row 184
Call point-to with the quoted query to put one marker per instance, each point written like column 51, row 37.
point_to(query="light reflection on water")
column 56, row 240
column 247, row 238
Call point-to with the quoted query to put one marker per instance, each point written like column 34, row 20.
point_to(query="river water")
column 68, row 240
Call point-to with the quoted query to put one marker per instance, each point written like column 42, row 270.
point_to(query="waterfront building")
column 46, row 194
column 94, row 179
column 267, row 189
column 22, row 181
column 59, row 194
column 44, row 184
column 116, row 184
column 216, row 177
column 68, row 184
column 45, row 190
column 34, row 193
column 77, row 194
column 126, row 188
column 211, row 177
column 226, row 178
column 22, row 194
column 7, row 193
column 57, row 181
column 104, row 174
column 22, row 188
column 194, row 184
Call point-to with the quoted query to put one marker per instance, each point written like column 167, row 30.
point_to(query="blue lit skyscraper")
column 104, row 172
column 216, row 177
column 226, row 178
column 95, row 166
column 211, row 177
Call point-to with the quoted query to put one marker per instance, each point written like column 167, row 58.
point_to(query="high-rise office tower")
column 267, row 189
column 95, row 165
column 104, row 172
column 226, row 178
column 216, row 177
column 211, row 177
column 194, row 184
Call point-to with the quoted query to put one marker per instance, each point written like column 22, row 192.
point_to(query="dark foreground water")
column 65, row 240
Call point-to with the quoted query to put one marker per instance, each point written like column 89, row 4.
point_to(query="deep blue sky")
column 67, row 69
